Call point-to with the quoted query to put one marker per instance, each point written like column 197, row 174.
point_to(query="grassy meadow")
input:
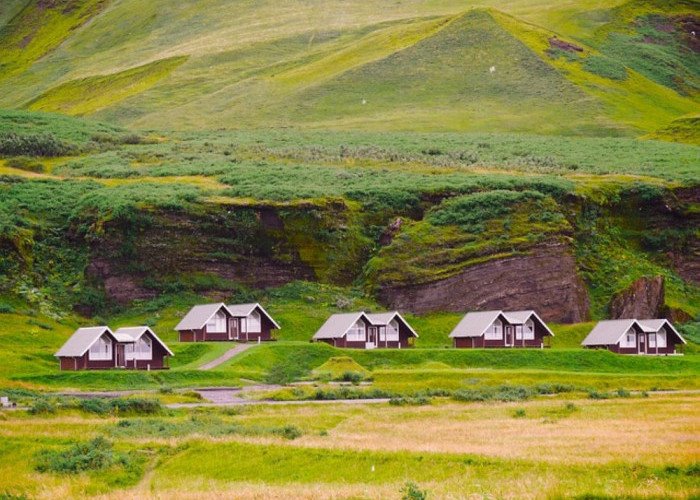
column 544, row 448
column 314, row 157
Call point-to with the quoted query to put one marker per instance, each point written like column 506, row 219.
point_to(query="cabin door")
column 232, row 328
column 509, row 335
column 371, row 338
column 120, row 355
column 642, row 344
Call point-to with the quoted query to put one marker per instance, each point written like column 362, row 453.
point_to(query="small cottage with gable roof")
column 366, row 331
column 98, row 348
column 631, row 336
column 501, row 329
column 219, row 322
column 140, row 348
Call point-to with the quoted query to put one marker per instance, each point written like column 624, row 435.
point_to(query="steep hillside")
column 627, row 69
column 409, row 218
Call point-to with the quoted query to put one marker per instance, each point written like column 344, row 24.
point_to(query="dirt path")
column 226, row 356
column 242, row 402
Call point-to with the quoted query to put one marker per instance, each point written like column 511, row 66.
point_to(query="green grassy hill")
column 420, row 66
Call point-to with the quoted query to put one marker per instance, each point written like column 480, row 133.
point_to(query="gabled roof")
column 197, row 317
column 609, row 332
column 474, row 324
column 244, row 310
column 654, row 325
column 132, row 334
column 382, row 319
column 82, row 340
column 338, row 324
column 521, row 317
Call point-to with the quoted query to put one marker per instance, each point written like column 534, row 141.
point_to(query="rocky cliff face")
column 544, row 279
column 254, row 246
column 644, row 299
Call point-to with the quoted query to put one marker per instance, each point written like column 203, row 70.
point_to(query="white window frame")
column 357, row 332
column 254, row 322
column 518, row 332
column 101, row 350
column 217, row 323
column 629, row 339
column 141, row 349
column 662, row 338
column 529, row 330
column 392, row 331
column 494, row 331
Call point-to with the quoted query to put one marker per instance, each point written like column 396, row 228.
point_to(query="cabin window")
column 217, row 323
column 141, row 349
column 495, row 331
column 356, row 333
column 630, row 339
column 392, row 332
column 101, row 350
column 518, row 332
column 529, row 330
column 661, row 338
column 254, row 322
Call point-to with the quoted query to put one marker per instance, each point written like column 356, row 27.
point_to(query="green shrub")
column 409, row 401
column 519, row 413
column 97, row 406
column 503, row 393
column 622, row 393
column 93, row 455
column 599, row 395
column 6, row 308
column 474, row 209
column 288, row 432
column 411, row 491
column 354, row 377
column 42, row 407
column 12, row 144
column 136, row 406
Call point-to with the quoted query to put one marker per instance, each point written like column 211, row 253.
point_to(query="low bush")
column 13, row 144
column 93, row 455
column 503, row 393
column 354, row 377
column 288, row 432
column 411, row 491
column 42, row 406
column 519, row 413
column 130, row 406
column 599, row 395
column 409, row 401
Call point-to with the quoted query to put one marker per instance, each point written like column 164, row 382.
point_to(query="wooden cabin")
column 219, row 322
column 631, row 336
column 140, row 348
column 501, row 329
column 361, row 330
column 98, row 348
column 251, row 323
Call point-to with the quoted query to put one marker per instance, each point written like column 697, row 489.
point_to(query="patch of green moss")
column 439, row 246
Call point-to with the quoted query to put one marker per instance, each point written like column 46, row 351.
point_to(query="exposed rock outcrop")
column 544, row 279
column 644, row 299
